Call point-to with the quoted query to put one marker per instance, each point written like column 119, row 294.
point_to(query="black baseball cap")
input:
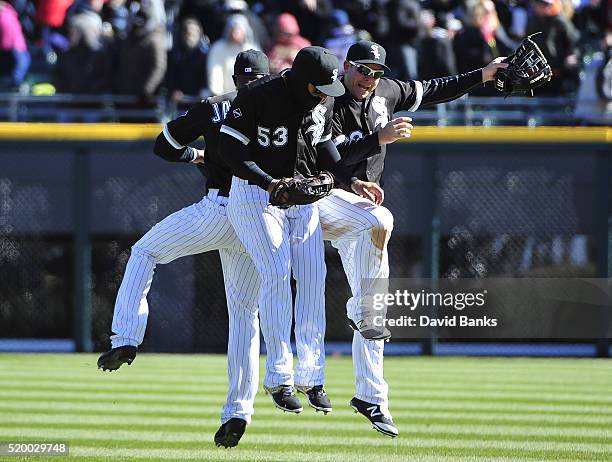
column 251, row 62
column 318, row 66
column 365, row 52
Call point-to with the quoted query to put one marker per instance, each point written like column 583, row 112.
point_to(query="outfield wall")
column 526, row 202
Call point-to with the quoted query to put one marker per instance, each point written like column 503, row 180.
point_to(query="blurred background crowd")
column 174, row 48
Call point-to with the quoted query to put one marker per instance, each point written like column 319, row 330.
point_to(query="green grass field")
column 166, row 407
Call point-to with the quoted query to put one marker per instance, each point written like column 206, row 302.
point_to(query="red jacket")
column 52, row 12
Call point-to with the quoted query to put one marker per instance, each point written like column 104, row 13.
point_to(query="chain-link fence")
column 511, row 211
column 517, row 218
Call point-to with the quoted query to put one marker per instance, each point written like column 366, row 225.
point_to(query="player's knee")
column 141, row 250
column 243, row 311
column 383, row 220
column 382, row 227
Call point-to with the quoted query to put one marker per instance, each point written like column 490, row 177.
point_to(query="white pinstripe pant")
column 360, row 231
column 198, row 228
column 282, row 242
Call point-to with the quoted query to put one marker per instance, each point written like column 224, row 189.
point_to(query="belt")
column 220, row 192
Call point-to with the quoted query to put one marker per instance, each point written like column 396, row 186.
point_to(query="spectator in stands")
column 89, row 21
column 207, row 12
column 312, row 16
column 287, row 43
column 442, row 9
column 603, row 81
column 14, row 56
column 591, row 20
column 142, row 59
column 116, row 14
column 83, row 68
column 436, row 55
column 237, row 37
column 503, row 9
column 341, row 36
column 261, row 35
column 157, row 12
column 368, row 17
column 405, row 33
column 50, row 15
column 187, row 62
column 558, row 43
column 518, row 26
column 482, row 40
column 26, row 12
column 594, row 98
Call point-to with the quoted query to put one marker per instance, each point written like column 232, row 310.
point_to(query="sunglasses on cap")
column 366, row 71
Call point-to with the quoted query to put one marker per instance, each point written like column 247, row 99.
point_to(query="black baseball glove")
column 301, row 191
column 527, row 69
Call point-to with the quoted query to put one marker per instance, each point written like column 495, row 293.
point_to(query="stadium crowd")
column 187, row 47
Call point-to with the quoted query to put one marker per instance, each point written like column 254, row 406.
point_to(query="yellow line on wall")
column 511, row 135
column 135, row 132
column 74, row 132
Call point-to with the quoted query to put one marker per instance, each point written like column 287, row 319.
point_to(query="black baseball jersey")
column 356, row 122
column 202, row 119
column 280, row 135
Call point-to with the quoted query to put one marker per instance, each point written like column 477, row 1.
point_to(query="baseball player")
column 362, row 127
column 198, row 228
column 280, row 126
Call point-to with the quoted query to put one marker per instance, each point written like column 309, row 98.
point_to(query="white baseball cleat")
column 380, row 422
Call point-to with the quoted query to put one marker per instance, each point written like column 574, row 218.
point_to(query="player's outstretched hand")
column 397, row 128
column 488, row 72
column 369, row 190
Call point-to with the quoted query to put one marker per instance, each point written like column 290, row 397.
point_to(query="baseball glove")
column 301, row 191
column 527, row 69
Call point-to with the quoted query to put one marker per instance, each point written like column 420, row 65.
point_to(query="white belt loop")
column 214, row 197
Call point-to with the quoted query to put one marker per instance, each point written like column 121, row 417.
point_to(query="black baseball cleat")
column 284, row 398
column 317, row 398
column 230, row 432
column 369, row 331
column 113, row 359
column 379, row 421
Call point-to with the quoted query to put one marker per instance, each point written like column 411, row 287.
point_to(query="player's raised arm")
column 445, row 89
column 172, row 144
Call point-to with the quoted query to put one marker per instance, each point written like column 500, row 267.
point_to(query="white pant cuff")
column 117, row 341
column 277, row 383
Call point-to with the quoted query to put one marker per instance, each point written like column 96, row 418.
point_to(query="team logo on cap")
column 375, row 51
column 248, row 69
column 237, row 113
column 334, row 76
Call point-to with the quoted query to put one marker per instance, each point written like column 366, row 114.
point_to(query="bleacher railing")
column 467, row 110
